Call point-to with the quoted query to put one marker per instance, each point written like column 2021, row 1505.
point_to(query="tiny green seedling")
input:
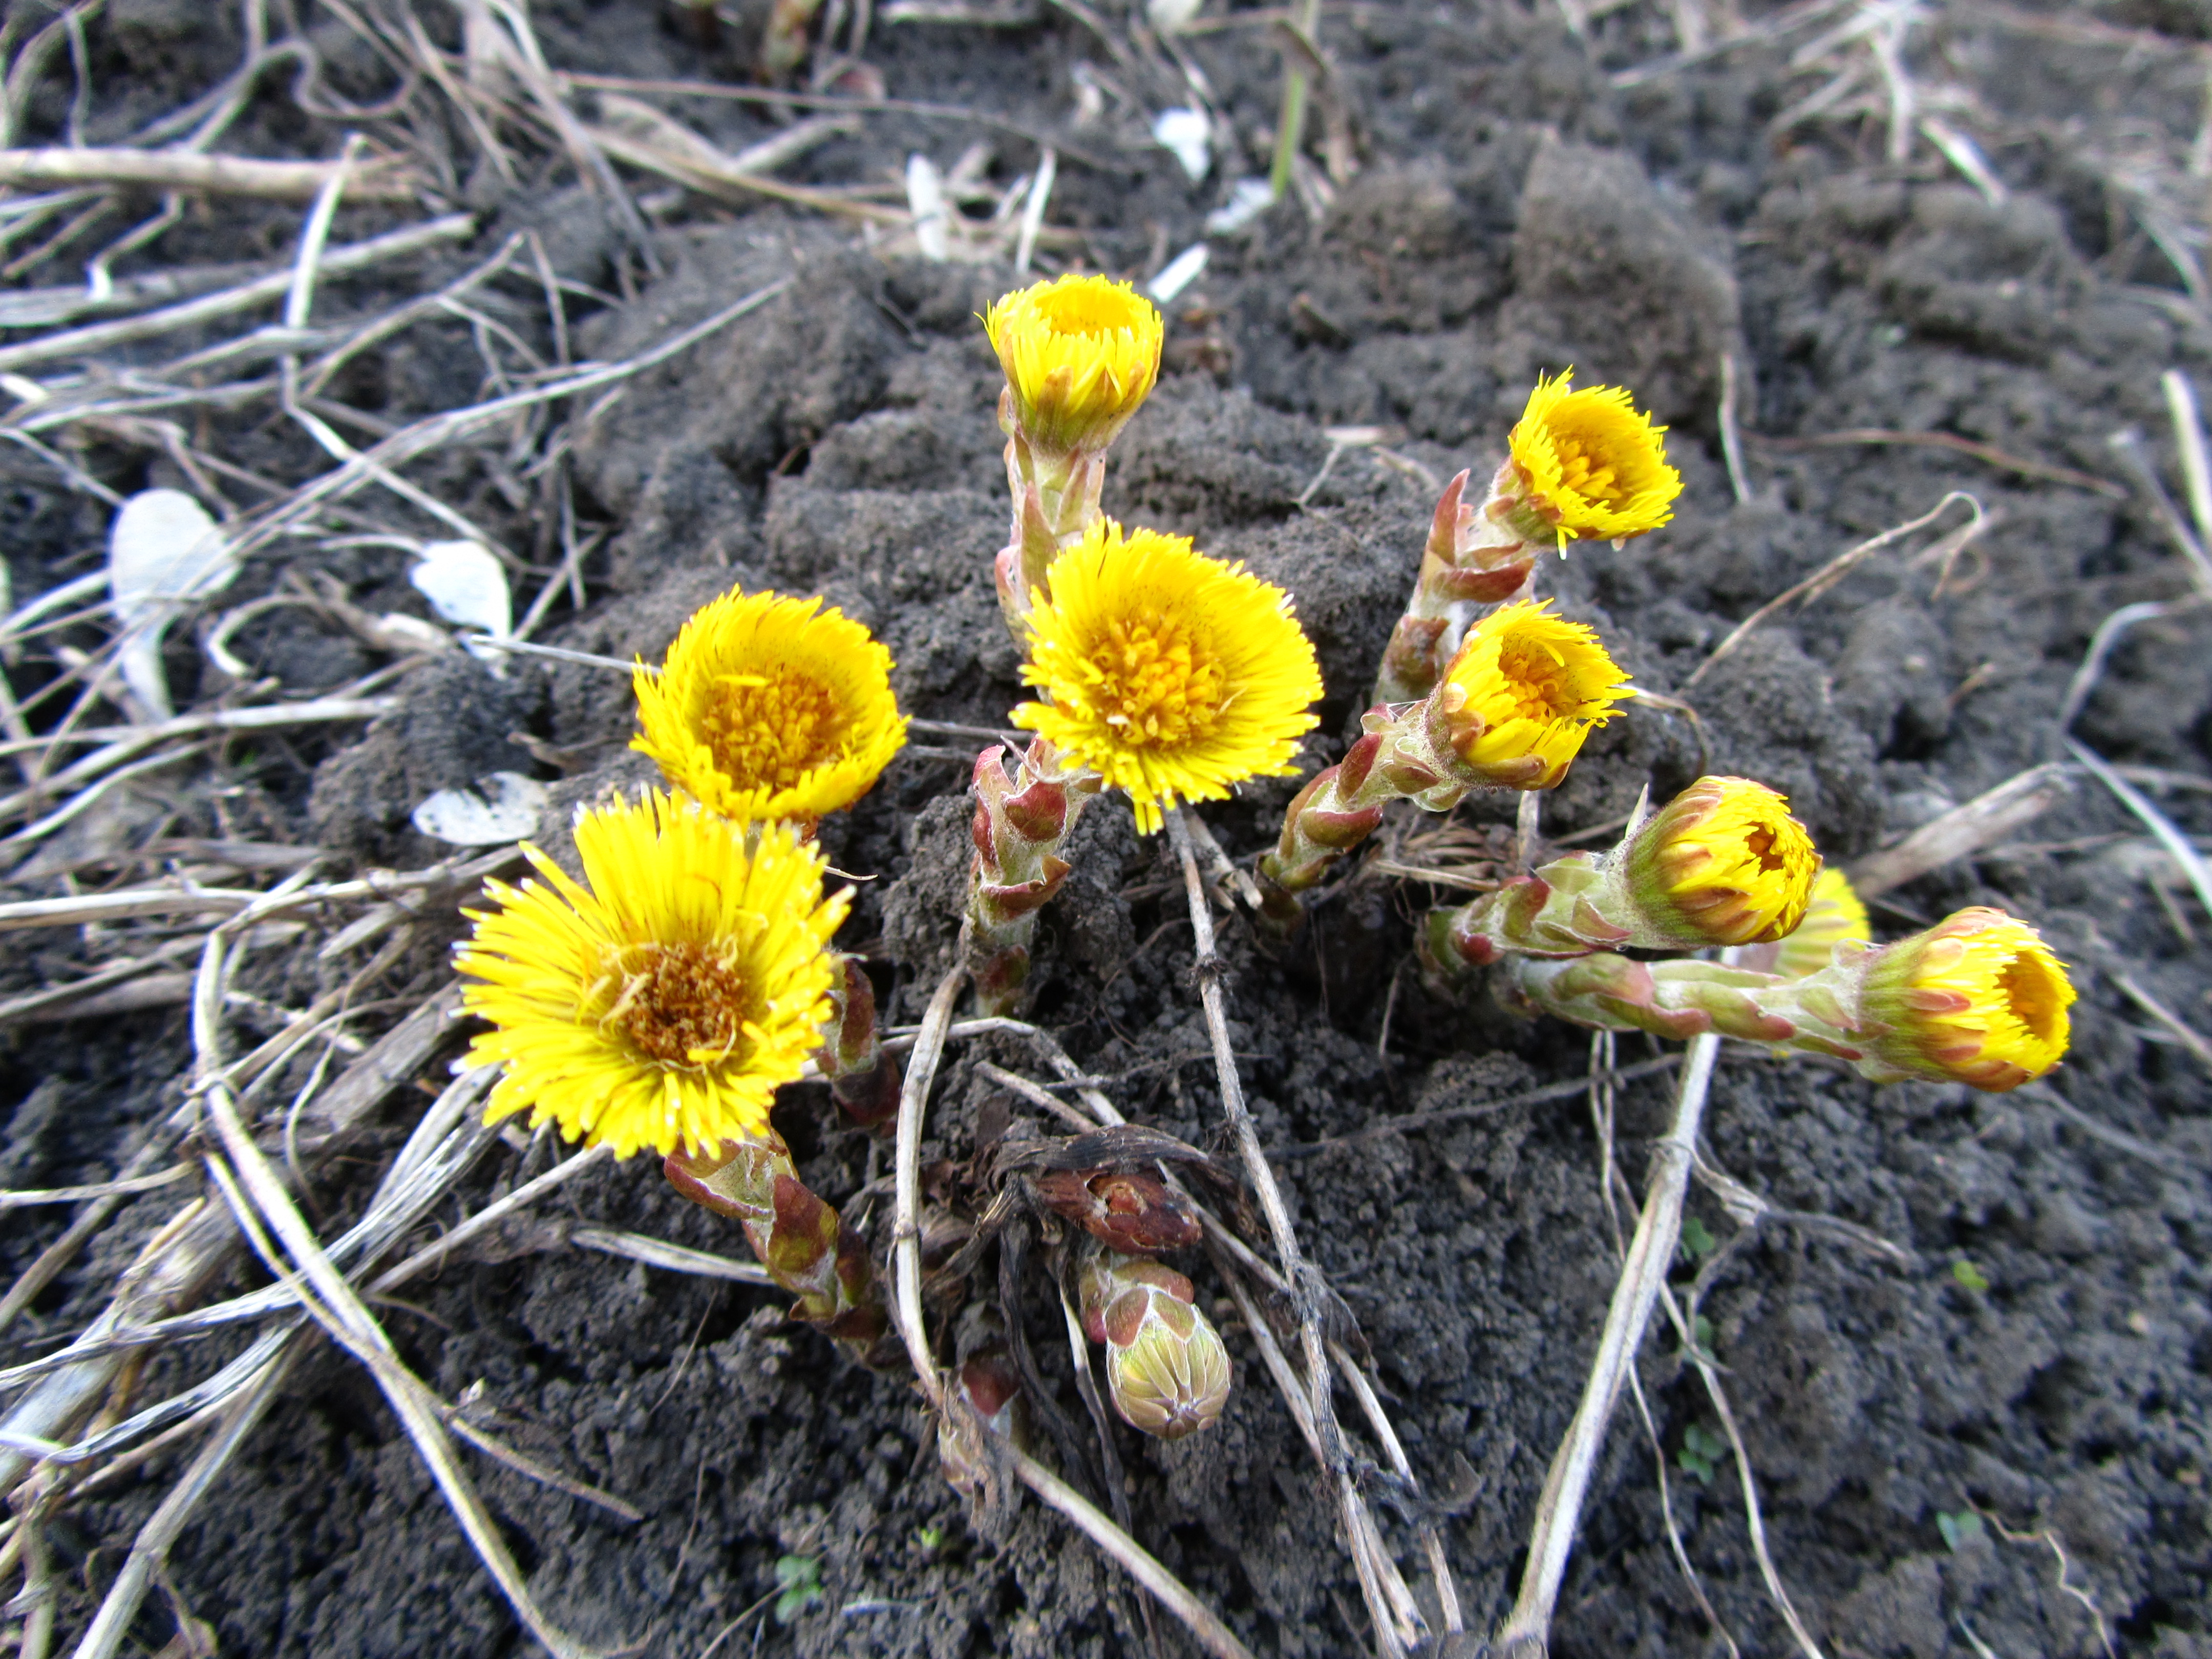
column 1959, row 1530
column 801, row 1576
column 1698, row 1240
column 1702, row 1450
column 1969, row 1275
column 932, row 1538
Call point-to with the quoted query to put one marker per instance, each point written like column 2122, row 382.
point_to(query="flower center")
column 673, row 999
column 1540, row 683
column 1158, row 685
column 1082, row 309
column 1760, row 842
column 2032, row 992
column 768, row 732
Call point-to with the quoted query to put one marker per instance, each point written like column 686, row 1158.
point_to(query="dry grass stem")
column 1963, row 830
column 2170, row 837
column 1836, row 568
column 2199, row 1046
column 2001, row 460
column 906, row 1224
column 387, row 178
column 670, row 1257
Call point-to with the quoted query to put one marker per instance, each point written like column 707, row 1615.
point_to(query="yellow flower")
column 665, row 999
column 1080, row 353
column 1977, row 999
column 1170, row 675
column 1834, row 917
column 767, row 710
column 1593, row 466
column 1524, row 690
column 1722, row 863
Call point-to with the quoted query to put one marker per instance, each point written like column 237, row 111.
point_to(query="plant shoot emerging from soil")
column 1169, row 674
column 1081, row 354
column 662, row 1001
column 1166, row 1370
column 770, row 707
column 1590, row 465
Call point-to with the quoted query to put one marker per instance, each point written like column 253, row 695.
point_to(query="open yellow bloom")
column 664, row 1000
column 1592, row 466
column 1834, row 917
column 1524, row 690
column 767, row 709
column 1081, row 354
column 1170, row 675
column 1977, row 999
column 1723, row 863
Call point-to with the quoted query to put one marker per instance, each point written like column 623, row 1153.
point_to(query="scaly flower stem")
column 800, row 1239
column 1398, row 1625
column 1056, row 500
column 1658, row 1230
column 1473, row 557
column 1821, row 1014
column 1021, row 826
column 862, row 1078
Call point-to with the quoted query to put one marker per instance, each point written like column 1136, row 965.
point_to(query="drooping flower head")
column 770, row 708
column 1170, row 675
column 663, row 1000
column 1722, row 863
column 1979, row 999
column 1524, row 690
column 1834, row 917
column 1081, row 354
column 1592, row 466
column 1167, row 1371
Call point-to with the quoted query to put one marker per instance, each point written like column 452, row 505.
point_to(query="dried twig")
column 387, row 178
column 1963, row 830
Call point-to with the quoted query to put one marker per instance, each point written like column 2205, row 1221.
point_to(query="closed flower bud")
column 1834, row 917
column 1979, row 999
column 1166, row 1369
column 1081, row 354
column 1524, row 690
column 1722, row 863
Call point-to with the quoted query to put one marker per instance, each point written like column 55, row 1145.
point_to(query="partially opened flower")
column 1590, row 464
column 663, row 1000
column 770, row 707
column 1170, row 675
column 1834, row 917
column 1977, row 999
column 1081, row 354
column 1524, row 690
column 1722, row 863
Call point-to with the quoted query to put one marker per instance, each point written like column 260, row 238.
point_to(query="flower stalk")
column 1977, row 999
column 800, row 1239
column 1522, row 692
column 1473, row 557
column 1020, row 829
column 862, row 1078
column 1166, row 1369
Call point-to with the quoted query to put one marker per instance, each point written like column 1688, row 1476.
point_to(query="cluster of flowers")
column 662, row 1001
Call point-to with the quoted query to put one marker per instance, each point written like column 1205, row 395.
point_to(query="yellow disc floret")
column 1834, row 917
column 1723, row 863
column 1169, row 674
column 771, row 707
column 1524, row 690
column 664, row 999
column 1977, row 999
column 1590, row 464
column 1080, row 353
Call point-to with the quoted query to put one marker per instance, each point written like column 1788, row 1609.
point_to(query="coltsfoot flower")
column 1722, row 863
column 1834, row 916
column 771, row 707
column 1524, row 691
column 1589, row 464
column 1171, row 675
column 1081, row 354
column 1166, row 1370
column 662, row 1001
column 1977, row 999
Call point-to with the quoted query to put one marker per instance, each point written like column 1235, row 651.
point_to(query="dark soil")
column 2046, row 1359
